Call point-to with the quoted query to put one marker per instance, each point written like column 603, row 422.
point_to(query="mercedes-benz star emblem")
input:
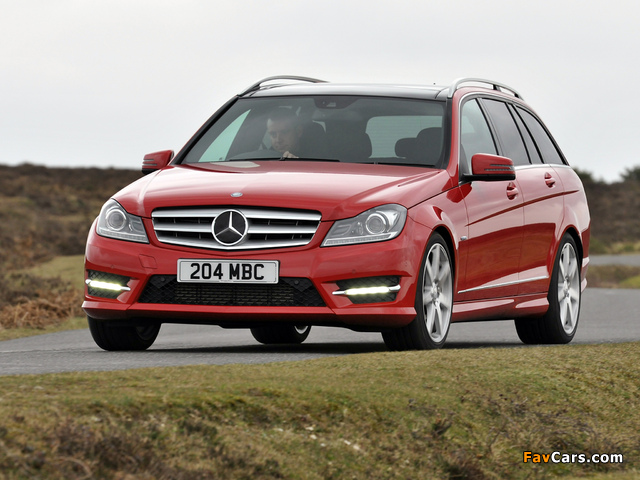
column 230, row 228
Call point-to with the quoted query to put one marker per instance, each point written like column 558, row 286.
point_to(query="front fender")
column 447, row 214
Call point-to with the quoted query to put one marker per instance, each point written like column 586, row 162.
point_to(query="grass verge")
column 440, row 415
column 74, row 323
column 41, row 299
column 69, row 268
column 613, row 248
column 613, row 276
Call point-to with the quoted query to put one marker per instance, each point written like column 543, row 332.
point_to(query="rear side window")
column 507, row 131
column 546, row 146
column 475, row 135
column 534, row 155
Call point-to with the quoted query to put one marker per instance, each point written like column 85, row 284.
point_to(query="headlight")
column 115, row 222
column 375, row 225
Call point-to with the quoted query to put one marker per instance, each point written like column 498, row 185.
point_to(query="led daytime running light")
column 107, row 286
column 368, row 291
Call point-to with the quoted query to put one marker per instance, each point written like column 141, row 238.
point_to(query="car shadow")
column 336, row 348
column 494, row 344
column 311, row 348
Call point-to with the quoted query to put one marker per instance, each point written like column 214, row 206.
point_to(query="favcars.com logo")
column 559, row 457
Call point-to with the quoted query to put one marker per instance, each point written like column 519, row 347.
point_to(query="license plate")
column 227, row 271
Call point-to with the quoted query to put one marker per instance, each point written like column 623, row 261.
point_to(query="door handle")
column 549, row 180
column 512, row 191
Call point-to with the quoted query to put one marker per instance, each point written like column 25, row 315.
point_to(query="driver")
column 285, row 132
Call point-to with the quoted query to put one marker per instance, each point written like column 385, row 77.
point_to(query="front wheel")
column 434, row 302
column 122, row 337
column 560, row 323
column 283, row 334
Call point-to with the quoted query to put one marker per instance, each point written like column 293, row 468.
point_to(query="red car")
column 397, row 209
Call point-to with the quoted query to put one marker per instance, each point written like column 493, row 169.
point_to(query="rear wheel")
column 434, row 303
column 560, row 323
column 283, row 334
column 109, row 336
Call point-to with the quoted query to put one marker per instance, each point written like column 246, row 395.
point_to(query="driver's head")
column 284, row 130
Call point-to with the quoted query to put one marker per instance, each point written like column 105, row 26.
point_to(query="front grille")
column 288, row 292
column 386, row 281
column 267, row 228
column 107, row 278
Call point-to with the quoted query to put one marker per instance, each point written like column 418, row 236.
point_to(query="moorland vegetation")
column 47, row 212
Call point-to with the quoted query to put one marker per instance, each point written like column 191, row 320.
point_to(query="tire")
column 118, row 337
column 559, row 324
column 281, row 334
column 434, row 302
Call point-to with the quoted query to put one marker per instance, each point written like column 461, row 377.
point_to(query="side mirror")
column 156, row 161
column 490, row 168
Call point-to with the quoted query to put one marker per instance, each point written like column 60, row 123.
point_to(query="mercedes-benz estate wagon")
column 388, row 208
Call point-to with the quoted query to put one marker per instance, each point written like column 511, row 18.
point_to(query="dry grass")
column 43, row 296
column 46, row 212
column 28, row 301
column 41, row 312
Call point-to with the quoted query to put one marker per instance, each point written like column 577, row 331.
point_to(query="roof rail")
column 495, row 85
column 257, row 85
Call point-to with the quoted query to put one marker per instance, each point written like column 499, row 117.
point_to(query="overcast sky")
column 102, row 83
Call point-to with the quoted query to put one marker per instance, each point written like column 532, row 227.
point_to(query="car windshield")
column 352, row 129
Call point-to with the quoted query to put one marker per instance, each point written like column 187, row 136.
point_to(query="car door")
column 543, row 194
column 495, row 218
column 540, row 188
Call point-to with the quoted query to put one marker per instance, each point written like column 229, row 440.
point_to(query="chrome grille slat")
column 282, row 215
column 188, row 213
column 281, row 230
column 203, row 228
column 267, row 228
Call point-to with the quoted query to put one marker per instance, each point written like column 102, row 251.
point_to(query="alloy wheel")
column 568, row 288
column 437, row 293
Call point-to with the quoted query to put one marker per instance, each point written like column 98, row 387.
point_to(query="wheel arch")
column 448, row 238
column 576, row 238
column 447, row 216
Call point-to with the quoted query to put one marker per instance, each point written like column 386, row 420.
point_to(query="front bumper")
column 142, row 267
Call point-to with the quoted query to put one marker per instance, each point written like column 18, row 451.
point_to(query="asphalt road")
column 607, row 316
column 632, row 260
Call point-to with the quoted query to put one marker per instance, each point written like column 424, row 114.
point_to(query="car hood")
column 337, row 190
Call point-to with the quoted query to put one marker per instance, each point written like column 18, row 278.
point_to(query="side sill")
column 500, row 308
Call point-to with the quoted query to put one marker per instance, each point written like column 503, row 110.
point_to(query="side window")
column 475, row 135
column 508, row 134
column 546, row 146
column 534, row 155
